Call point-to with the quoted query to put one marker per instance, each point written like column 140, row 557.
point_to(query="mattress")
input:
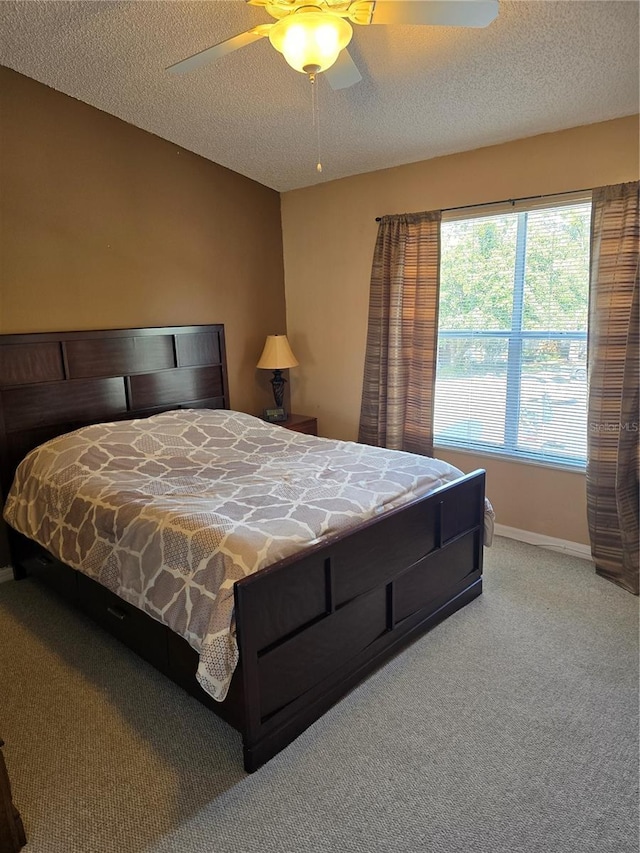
column 170, row 511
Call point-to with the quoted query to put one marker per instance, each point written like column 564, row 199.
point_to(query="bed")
column 307, row 624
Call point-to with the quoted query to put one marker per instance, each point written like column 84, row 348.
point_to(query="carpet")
column 512, row 727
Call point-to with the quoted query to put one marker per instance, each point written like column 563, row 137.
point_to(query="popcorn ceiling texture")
column 427, row 91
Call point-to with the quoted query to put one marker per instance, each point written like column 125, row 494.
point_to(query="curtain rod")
column 509, row 200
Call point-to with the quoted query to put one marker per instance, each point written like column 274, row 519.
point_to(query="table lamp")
column 277, row 356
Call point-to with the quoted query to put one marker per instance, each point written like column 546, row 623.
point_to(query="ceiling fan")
column 313, row 35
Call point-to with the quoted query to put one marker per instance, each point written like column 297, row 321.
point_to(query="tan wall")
column 329, row 234
column 105, row 226
column 531, row 497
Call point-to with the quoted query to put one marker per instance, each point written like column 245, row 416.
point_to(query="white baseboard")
column 6, row 574
column 573, row 549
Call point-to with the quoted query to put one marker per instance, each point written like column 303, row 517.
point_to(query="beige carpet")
column 513, row 726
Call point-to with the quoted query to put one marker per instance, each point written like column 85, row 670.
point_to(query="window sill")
column 578, row 468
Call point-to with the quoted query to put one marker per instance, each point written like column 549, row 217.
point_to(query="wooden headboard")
column 55, row 382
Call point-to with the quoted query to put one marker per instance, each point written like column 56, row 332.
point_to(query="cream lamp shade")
column 310, row 40
column 277, row 354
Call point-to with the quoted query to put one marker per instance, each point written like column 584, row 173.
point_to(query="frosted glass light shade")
column 277, row 354
column 309, row 40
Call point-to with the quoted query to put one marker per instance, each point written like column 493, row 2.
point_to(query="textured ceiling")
column 426, row 91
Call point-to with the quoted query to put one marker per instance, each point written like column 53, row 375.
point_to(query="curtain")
column 400, row 361
column 613, row 421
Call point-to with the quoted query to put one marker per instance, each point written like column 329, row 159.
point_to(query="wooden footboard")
column 310, row 628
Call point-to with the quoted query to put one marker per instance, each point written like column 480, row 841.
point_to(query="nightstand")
column 301, row 423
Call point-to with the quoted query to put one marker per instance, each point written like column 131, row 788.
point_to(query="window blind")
column 512, row 340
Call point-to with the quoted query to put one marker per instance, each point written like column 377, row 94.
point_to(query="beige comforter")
column 169, row 511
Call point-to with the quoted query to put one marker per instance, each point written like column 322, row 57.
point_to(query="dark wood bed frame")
column 310, row 627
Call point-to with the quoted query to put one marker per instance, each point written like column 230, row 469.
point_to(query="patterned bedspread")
column 169, row 511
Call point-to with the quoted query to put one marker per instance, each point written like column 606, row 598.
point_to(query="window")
column 512, row 340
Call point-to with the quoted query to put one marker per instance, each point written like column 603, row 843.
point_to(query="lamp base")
column 278, row 382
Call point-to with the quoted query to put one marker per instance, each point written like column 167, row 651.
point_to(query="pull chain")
column 315, row 112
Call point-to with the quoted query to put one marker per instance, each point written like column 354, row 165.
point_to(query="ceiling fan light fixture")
column 310, row 40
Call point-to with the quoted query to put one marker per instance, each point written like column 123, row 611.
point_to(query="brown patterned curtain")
column 400, row 363
column 612, row 454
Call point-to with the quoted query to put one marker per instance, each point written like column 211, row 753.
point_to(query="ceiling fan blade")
column 211, row 54
column 344, row 72
column 436, row 13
